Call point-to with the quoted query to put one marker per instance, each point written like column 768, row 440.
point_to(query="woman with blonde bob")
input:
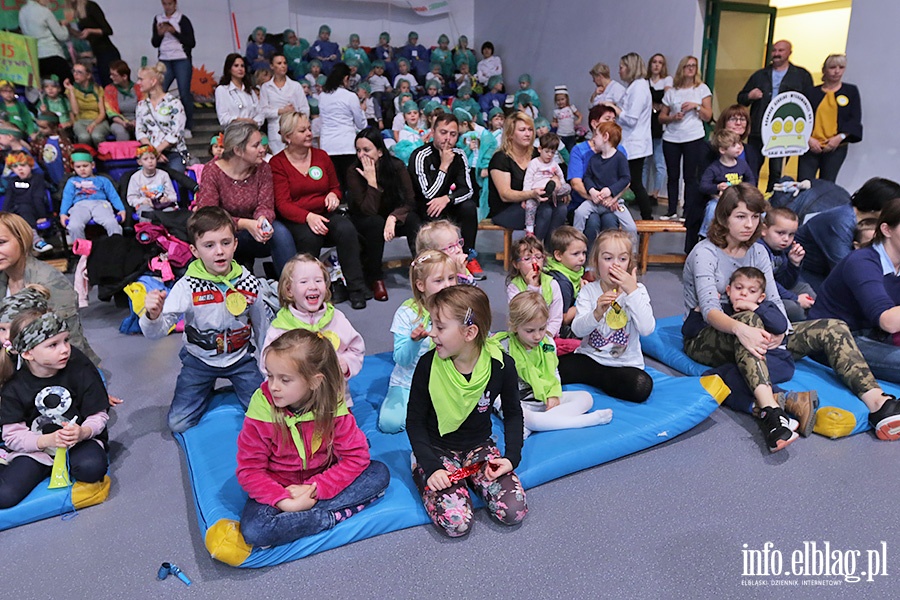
column 506, row 193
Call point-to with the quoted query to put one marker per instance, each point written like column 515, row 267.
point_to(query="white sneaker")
column 41, row 246
column 669, row 218
column 187, row 134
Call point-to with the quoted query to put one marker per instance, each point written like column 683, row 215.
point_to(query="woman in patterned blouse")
column 160, row 118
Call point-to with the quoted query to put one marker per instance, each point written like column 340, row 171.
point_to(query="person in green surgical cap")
column 418, row 56
column 324, row 50
column 355, row 52
column 442, row 56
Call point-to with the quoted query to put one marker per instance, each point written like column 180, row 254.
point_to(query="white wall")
column 871, row 47
column 559, row 42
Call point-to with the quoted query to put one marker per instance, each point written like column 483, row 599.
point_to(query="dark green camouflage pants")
column 828, row 337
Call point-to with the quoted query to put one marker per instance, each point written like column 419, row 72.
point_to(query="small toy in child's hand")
column 616, row 318
column 167, row 569
column 463, row 472
column 536, row 267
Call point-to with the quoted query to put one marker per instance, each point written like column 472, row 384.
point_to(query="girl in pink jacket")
column 301, row 457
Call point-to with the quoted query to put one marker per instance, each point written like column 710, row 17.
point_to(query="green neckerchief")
column 546, row 291
column 198, row 271
column 286, row 320
column 537, row 367
column 89, row 91
column 452, row 395
column 127, row 92
column 260, row 409
column 412, row 305
column 573, row 276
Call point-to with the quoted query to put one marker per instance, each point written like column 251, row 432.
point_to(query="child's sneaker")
column 474, row 267
column 886, row 420
column 42, row 246
column 779, row 429
column 803, row 406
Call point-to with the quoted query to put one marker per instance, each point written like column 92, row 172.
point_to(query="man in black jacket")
column 440, row 177
column 780, row 76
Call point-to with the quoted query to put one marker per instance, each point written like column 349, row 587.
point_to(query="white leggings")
column 571, row 413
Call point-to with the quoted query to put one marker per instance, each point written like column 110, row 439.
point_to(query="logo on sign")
column 787, row 125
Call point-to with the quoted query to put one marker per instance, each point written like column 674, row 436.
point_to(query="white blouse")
column 341, row 117
column 637, row 106
column 272, row 99
column 233, row 103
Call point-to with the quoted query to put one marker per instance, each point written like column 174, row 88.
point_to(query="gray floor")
column 669, row 522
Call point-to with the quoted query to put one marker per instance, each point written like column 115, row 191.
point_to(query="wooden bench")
column 646, row 229
column 488, row 225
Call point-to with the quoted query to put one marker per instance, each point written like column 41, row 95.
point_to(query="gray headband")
column 39, row 331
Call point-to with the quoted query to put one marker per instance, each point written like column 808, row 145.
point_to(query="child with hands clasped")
column 223, row 319
column 53, row 402
column 545, row 406
column 544, row 173
column 429, row 273
column 301, row 457
column 779, row 227
column 305, row 295
column 526, row 273
column 449, row 417
column 88, row 196
column 150, row 188
column 613, row 312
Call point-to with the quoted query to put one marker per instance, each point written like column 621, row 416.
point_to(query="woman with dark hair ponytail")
column 382, row 204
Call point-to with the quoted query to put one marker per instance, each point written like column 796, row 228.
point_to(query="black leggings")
column 341, row 235
column 625, row 383
column 87, row 463
column 636, row 169
column 371, row 230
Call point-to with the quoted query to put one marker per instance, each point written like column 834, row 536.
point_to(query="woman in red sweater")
column 241, row 183
column 307, row 193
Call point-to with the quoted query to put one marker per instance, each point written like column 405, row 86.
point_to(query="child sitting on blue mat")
column 568, row 253
column 301, row 457
column 545, row 407
column 223, row 319
column 449, row 417
column 305, row 297
column 786, row 254
column 746, row 291
column 56, row 401
column 429, row 273
column 613, row 312
column 526, row 273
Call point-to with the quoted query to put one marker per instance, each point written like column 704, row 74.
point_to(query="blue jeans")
column 182, row 71
column 280, row 247
column 655, row 168
column 196, row 382
column 264, row 525
column 547, row 219
column 882, row 355
column 176, row 162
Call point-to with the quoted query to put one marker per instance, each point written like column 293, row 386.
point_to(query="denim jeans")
column 280, row 247
column 196, row 382
column 182, row 71
column 881, row 354
column 655, row 170
column 264, row 525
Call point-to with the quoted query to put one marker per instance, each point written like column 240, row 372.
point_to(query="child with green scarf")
column 545, row 406
column 430, row 272
column 566, row 265
column 449, row 416
column 526, row 273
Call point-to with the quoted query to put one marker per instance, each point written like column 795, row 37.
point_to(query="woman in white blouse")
column 235, row 96
column 278, row 96
column 637, row 106
column 489, row 66
column 342, row 117
column 686, row 106
column 159, row 119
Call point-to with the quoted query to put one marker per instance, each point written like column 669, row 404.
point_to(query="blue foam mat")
column 676, row 405
column 41, row 503
column 666, row 345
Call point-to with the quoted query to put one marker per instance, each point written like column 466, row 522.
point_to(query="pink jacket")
column 268, row 462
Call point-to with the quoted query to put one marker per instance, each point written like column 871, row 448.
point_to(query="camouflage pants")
column 830, row 338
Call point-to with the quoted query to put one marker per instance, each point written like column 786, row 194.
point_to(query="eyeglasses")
column 458, row 245
column 532, row 258
column 79, row 72
column 690, row 66
column 737, row 119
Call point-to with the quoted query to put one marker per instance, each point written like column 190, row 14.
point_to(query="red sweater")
column 251, row 198
column 296, row 194
column 267, row 462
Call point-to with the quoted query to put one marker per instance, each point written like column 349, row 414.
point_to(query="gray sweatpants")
column 100, row 210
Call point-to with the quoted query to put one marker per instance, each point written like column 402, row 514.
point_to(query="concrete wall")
column 559, row 42
column 871, row 47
